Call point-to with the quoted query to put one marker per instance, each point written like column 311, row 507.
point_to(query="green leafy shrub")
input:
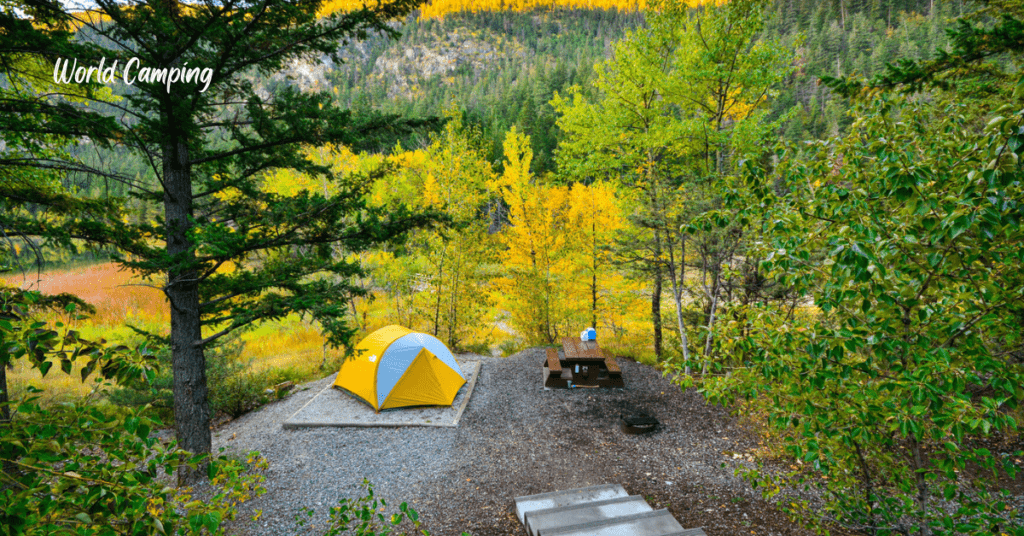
column 234, row 388
column 367, row 516
column 79, row 470
column 153, row 390
column 478, row 348
column 512, row 346
column 236, row 394
column 76, row 469
column 907, row 236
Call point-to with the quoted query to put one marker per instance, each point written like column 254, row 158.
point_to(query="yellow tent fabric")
column 397, row 367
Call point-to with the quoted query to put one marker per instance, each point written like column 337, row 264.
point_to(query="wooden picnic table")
column 577, row 350
column 584, row 364
column 584, row 359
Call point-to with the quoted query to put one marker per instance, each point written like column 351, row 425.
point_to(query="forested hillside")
column 502, row 67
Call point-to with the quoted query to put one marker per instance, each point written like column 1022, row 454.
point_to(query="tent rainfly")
column 396, row 367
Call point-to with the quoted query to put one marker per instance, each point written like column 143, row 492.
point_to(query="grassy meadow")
column 121, row 299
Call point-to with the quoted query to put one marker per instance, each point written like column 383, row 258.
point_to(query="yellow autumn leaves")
column 557, row 275
column 438, row 9
column 521, row 259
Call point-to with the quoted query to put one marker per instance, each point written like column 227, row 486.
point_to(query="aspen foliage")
column 438, row 9
column 341, row 160
column 457, row 182
column 533, row 288
column 594, row 219
column 436, row 282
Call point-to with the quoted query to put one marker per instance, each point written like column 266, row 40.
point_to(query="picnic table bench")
column 584, row 364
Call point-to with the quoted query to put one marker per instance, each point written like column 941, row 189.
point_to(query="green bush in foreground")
column 891, row 390
column 367, row 516
column 80, row 470
column 77, row 469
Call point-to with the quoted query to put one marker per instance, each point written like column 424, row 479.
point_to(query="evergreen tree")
column 230, row 252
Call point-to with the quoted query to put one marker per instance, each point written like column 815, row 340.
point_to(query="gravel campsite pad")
column 514, row 439
column 333, row 407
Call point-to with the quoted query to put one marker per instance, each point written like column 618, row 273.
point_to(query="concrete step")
column 555, row 499
column 654, row 523
column 540, row 521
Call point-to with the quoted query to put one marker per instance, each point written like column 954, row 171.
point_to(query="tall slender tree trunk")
column 453, row 322
column 548, row 290
column 440, row 283
column 355, row 312
column 711, row 324
column 920, row 468
column 656, row 295
column 656, row 312
column 593, row 276
column 5, row 412
column 677, row 298
column 191, row 403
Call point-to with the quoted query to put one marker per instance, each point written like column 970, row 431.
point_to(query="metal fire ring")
column 638, row 424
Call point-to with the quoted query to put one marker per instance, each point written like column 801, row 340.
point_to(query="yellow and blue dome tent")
column 396, row 367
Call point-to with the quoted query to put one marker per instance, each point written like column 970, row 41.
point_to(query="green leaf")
column 949, row 492
column 960, row 225
column 212, row 522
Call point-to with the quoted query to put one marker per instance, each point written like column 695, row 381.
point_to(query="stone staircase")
column 605, row 510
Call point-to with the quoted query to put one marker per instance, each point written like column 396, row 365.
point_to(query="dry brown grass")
column 118, row 295
column 121, row 297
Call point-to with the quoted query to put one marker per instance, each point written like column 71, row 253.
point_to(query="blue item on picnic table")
column 589, row 334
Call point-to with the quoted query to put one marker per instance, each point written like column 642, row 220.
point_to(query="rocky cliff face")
column 475, row 51
column 404, row 67
column 311, row 75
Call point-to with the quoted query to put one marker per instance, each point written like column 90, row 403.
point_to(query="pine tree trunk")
column 191, row 403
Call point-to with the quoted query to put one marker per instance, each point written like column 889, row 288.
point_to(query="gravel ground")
column 514, row 439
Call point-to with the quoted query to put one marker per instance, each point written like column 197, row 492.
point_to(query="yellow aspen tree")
column 341, row 161
column 594, row 219
column 457, row 182
column 533, row 288
column 436, row 282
